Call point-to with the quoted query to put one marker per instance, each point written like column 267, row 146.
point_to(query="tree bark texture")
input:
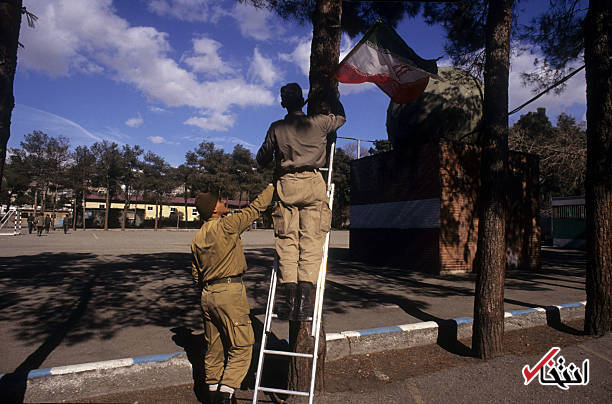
column 107, row 208
column 156, row 213
column 10, row 23
column 324, row 54
column 35, row 201
column 598, row 315
column 84, row 202
column 126, row 206
column 300, row 340
column 488, row 332
column 324, row 58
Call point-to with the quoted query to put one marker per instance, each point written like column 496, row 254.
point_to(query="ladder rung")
column 287, row 353
column 281, row 391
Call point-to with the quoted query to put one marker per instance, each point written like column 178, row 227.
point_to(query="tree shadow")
column 53, row 299
column 13, row 385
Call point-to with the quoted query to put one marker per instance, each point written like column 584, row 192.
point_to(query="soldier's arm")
column 266, row 151
column 337, row 117
column 195, row 269
column 239, row 222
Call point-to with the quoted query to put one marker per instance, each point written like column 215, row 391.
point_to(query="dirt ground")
column 372, row 371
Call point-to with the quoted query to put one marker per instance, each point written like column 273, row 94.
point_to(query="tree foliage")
column 562, row 151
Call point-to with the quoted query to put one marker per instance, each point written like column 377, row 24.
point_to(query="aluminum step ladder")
column 316, row 320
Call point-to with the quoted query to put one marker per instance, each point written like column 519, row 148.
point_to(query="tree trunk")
column 35, row 201
column 324, row 58
column 156, row 214
column 54, row 206
column 185, row 200
column 126, row 206
column 324, row 54
column 10, row 23
column 84, row 202
column 598, row 314
column 74, row 214
column 488, row 331
column 43, row 203
column 107, row 208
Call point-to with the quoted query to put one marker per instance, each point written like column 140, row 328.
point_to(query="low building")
column 141, row 209
column 569, row 222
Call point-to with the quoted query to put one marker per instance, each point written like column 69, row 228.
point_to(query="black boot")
column 305, row 308
column 287, row 301
column 225, row 398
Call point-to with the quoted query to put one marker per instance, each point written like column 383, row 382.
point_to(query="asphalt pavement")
column 93, row 295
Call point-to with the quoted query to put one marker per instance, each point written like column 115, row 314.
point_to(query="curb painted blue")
column 381, row 330
column 463, row 320
column 155, row 358
column 164, row 357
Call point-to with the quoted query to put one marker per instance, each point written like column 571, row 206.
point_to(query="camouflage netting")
column 450, row 109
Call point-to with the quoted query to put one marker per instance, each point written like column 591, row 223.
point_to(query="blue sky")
column 169, row 74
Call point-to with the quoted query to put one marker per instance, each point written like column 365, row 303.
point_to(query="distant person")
column 53, row 217
column 218, row 263
column 30, row 223
column 302, row 218
column 40, row 224
column 47, row 223
column 66, row 223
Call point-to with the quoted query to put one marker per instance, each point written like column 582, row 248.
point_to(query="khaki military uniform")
column 301, row 216
column 218, row 263
column 40, row 224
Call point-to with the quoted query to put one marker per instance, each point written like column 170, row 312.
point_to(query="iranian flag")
column 383, row 58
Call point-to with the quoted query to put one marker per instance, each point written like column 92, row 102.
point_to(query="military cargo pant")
column 228, row 334
column 302, row 218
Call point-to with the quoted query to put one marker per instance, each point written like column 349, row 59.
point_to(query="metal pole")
column 358, row 148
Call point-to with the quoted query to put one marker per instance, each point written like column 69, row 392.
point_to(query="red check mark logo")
column 529, row 374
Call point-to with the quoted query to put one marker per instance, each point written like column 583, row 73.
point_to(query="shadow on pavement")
column 67, row 298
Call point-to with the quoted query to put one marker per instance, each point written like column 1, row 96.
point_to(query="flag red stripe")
column 400, row 93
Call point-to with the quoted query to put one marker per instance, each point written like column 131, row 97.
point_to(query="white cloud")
column 186, row 10
column 214, row 121
column 573, row 96
column 300, row 56
column 156, row 109
column 159, row 140
column 206, row 59
column 73, row 35
column 230, row 140
column 31, row 118
column 264, row 69
column 256, row 23
column 135, row 122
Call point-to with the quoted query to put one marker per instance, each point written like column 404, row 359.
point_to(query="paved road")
column 95, row 295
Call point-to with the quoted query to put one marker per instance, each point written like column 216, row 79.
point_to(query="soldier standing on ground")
column 66, row 223
column 218, row 263
column 40, row 224
column 302, row 218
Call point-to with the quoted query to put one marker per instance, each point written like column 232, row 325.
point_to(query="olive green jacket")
column 216, row 248
column 298, row 141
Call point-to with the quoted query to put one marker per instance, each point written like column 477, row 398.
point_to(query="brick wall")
column 448, row 171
